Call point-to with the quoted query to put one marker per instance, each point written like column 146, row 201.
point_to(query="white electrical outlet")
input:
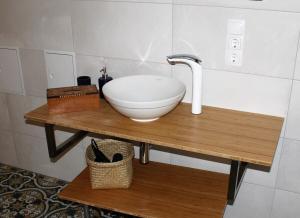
column 234, row 42
column 234, row 58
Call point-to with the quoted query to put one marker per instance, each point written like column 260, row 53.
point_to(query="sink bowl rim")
column 147, row 104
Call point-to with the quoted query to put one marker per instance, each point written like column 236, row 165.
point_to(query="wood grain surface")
column 158, row 190
column 218, row 132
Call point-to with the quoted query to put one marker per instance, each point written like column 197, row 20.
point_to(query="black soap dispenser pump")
column 102, row 80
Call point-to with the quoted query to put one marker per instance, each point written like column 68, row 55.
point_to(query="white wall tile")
column 153, row 1
column 184, row 74
column 19, row 105
column 86, row 142
column 7, row 147
column 247, row 92
column 34, row 72
column 239, row 91
column 61, row 136
column 297, row 68
column 137, row 152
column 138, row 1
column 287, row 5
column 4, row 115
column 36, row 24
column 134, row 37
column 286, row 205
column 293, row 119
column 270, row 40
column 262, row 177
column 155, row 155
column 198, row 162
column 289, row 168
column 282, row 134
column 90, row 66
column 32, row 154
column 119, row 67
column 159, row 156
column 122, row 30
column 252, row 201
column 11, row 78
column 69, row 166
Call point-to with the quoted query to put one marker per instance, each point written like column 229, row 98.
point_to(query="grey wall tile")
column 293, row 119
column 297, row 68
column 11, row 80
column 5, row 123
column 252, row 201
column 32, row 154
column 286, row 205
column 289, row 168
column 7, row 147
column 34, row 72
column 18, row 105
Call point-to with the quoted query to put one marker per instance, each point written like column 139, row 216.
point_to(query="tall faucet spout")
column 195, row 64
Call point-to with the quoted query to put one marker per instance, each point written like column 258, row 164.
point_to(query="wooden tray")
column 72, row 99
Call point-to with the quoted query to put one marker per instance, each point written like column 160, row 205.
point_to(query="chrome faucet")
column 195, row 64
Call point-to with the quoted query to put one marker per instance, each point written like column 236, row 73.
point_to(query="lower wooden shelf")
column 158, row 190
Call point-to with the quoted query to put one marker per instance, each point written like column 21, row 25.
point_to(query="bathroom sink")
column 144, row 98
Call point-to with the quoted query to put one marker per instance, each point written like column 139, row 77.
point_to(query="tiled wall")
column 134, row 37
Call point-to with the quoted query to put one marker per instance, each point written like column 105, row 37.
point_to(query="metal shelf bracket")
column 237, row 172
column 56, row 152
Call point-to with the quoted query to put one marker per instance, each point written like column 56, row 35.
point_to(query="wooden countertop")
column 157, row 191
column 216, row 132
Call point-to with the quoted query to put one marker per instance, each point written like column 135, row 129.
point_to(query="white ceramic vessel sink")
column 144, row 98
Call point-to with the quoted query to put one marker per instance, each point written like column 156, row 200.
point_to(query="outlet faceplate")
column 234, row 42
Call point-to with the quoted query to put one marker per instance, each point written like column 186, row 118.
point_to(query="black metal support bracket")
column 237, row 172
column 55, row 152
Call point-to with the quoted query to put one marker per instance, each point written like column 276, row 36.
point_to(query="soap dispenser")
column 102, row 80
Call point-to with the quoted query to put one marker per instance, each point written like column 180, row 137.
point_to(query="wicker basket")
column 111, row 175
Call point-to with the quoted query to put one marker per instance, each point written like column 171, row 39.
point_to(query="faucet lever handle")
column 185, row 56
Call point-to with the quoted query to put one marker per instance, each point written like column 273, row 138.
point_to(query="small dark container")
column 101, row 81
column 84, row 80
